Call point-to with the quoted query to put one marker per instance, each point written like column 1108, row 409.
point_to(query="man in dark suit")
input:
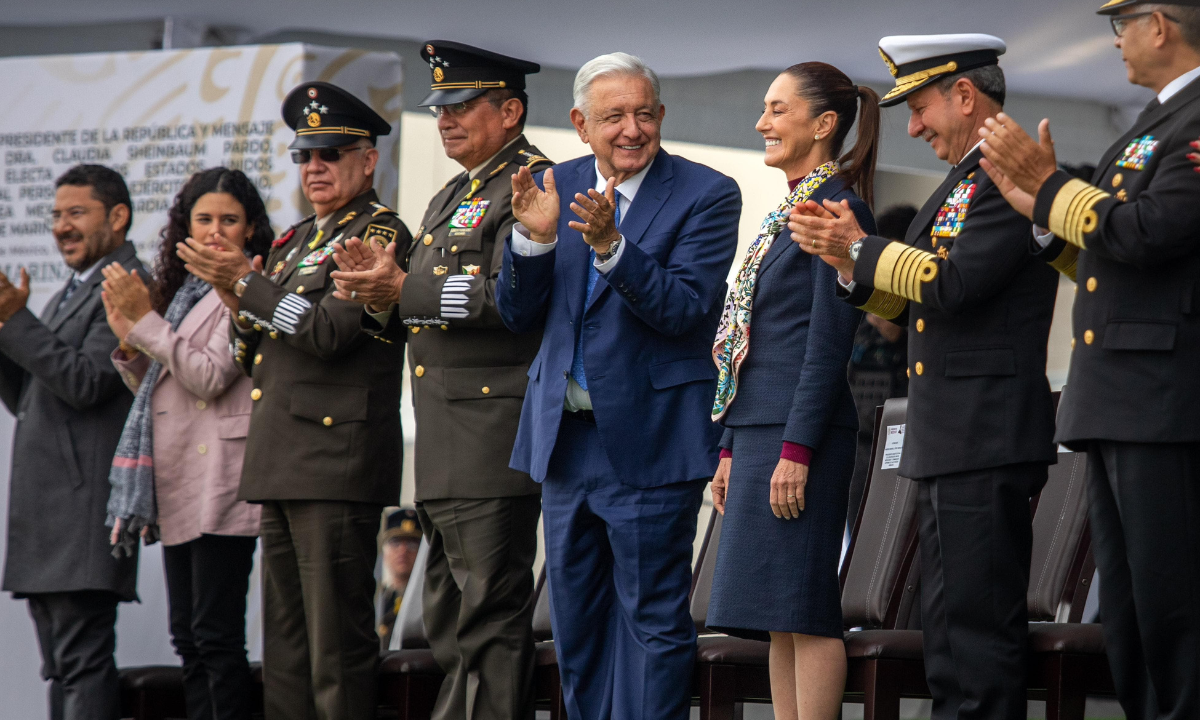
column 980, row 425
column 323, row 454
column 56, row 376
column 624, row 260
column 1132, row 398
column 468, row 377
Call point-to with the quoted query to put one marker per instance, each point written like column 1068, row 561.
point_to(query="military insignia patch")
column 1138, row 153
column 440, row 270
column 316, row 258
column 470, row 269
column 349, row 216
column 950, row 218
column 381, row 231
column 278, row 267
column 470, row 213
column 284, row 238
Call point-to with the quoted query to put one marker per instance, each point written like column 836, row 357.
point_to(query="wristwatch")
column 239, row 287
column 612, row 250
column 854, row 249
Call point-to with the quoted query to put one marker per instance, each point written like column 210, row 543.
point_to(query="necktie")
column 72, row 286
column 593, row 275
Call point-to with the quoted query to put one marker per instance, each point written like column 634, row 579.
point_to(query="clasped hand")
column 538, row 211
column 827, row 231
column 367, row 273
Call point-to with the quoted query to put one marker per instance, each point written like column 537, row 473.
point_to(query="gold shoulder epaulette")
column 381, row 209
column 499, row 167
column 1072, row 215
column 903, row 269
column 348, row 217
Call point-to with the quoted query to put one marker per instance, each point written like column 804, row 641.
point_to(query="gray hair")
column 617, row 63
column 1188, row 17
column 988, row 80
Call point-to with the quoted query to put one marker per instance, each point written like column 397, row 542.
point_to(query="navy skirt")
column 775, row 575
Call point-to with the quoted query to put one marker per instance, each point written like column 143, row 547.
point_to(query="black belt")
column 586, row 416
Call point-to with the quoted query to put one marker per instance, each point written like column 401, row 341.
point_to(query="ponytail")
column 825, row 89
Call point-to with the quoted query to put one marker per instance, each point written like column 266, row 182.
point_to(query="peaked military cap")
column 1112, row 7
column 325, row 115
column 462, row 72
column 917, row 60
column 402, row 523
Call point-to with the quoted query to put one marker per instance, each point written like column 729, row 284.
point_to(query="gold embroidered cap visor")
column 324, row 115
column 1112, row 7
column 462, row 72
column 918, row 60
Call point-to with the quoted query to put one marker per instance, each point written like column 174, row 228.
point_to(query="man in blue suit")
column 626, row 270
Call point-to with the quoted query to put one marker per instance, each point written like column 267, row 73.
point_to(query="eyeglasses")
column 1120, row 22
column 329, row 155
column 456, row 110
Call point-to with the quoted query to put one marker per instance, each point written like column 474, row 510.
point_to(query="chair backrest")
column 884, row 541
column 1062, row 564
column 541, row 610
column 409, row 630
column 702, row 575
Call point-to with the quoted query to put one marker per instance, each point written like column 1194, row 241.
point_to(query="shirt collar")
column 83, row 276
column 479, row 168
column 1178, row 84
column 629, row 188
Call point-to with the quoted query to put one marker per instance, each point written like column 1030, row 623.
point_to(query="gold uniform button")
column 274, row 335
column 428, row 240
column 920, row 325
column 327, row 421
column 416, row 330
column 1072, row 343
column 934, row 241
column 200, row 404
column 257, row 327
column 255, row 394
column 202, row 449
column 1117, row 179
column 920, row 369
column 453, row 248
column 445, row 327
column 299, row 289
column 258, row 359
column 486, row 390
column 419, row 371
column 1091, row 284
column 907, row 373
column 1088, row 337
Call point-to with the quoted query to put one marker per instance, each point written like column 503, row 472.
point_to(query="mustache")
column 67, row 236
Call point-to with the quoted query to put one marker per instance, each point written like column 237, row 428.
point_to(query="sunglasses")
column 329, row 155
column 455, row 110
column 1120, row 22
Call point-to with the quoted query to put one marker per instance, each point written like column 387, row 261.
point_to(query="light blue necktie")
column 593, row 275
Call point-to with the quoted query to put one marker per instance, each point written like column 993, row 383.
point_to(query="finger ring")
column 353, row 294
column 791, row 496
column 814, row 243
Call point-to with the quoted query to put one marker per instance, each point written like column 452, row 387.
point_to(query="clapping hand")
column 535, row 208
column 126, row 292
column 598, row 212
column 1018, row 165
column 13, row 297
column 827, row 231
column 221, row 266
column 368, row 273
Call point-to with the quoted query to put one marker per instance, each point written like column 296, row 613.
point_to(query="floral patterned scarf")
column 733, row 335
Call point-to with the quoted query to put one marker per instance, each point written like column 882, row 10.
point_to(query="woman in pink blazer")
column 180, row 458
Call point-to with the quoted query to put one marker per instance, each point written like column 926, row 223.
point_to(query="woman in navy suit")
column 789, row 442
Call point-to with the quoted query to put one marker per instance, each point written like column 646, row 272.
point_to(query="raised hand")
column 13, row 297
column 598, row 212
column 379, row 286
column 119, row 324
column 126, row 292
column 827, row 231
column 353, row 256
column 1027, row 164
column 220, row 266
column 535, row 208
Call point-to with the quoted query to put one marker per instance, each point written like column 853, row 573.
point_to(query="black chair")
column 410, row 678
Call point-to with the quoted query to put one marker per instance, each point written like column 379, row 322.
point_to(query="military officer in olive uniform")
column 323, row 454
column 468, row 379
column 1131, row 238
column 980, row 422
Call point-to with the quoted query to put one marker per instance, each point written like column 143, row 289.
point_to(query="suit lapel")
column 783, row 241
column 929, row 211
column 574, row 253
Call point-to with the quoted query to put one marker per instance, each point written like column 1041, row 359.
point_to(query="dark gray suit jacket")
column 57, row 377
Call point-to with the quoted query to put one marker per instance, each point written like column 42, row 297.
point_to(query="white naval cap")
column 917, row 60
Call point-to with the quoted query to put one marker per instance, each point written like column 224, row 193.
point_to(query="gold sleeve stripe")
column 885, row 305
column 902, row 269
column 1066, row 261
column 1072, row 215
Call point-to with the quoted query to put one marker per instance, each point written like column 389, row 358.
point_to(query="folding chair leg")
column 1063, row 702
column 716, row 696
column 882, row 696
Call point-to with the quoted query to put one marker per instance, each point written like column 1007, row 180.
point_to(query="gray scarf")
column 132, row 475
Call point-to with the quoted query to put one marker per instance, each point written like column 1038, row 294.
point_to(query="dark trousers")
column 976, row 538
column 478, row 604
column 207, row 582
column 77, row 635
column 618, row 560
column 1145, row 513
column 320, row 649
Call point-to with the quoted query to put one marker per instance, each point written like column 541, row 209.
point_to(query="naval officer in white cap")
column 978, row 306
